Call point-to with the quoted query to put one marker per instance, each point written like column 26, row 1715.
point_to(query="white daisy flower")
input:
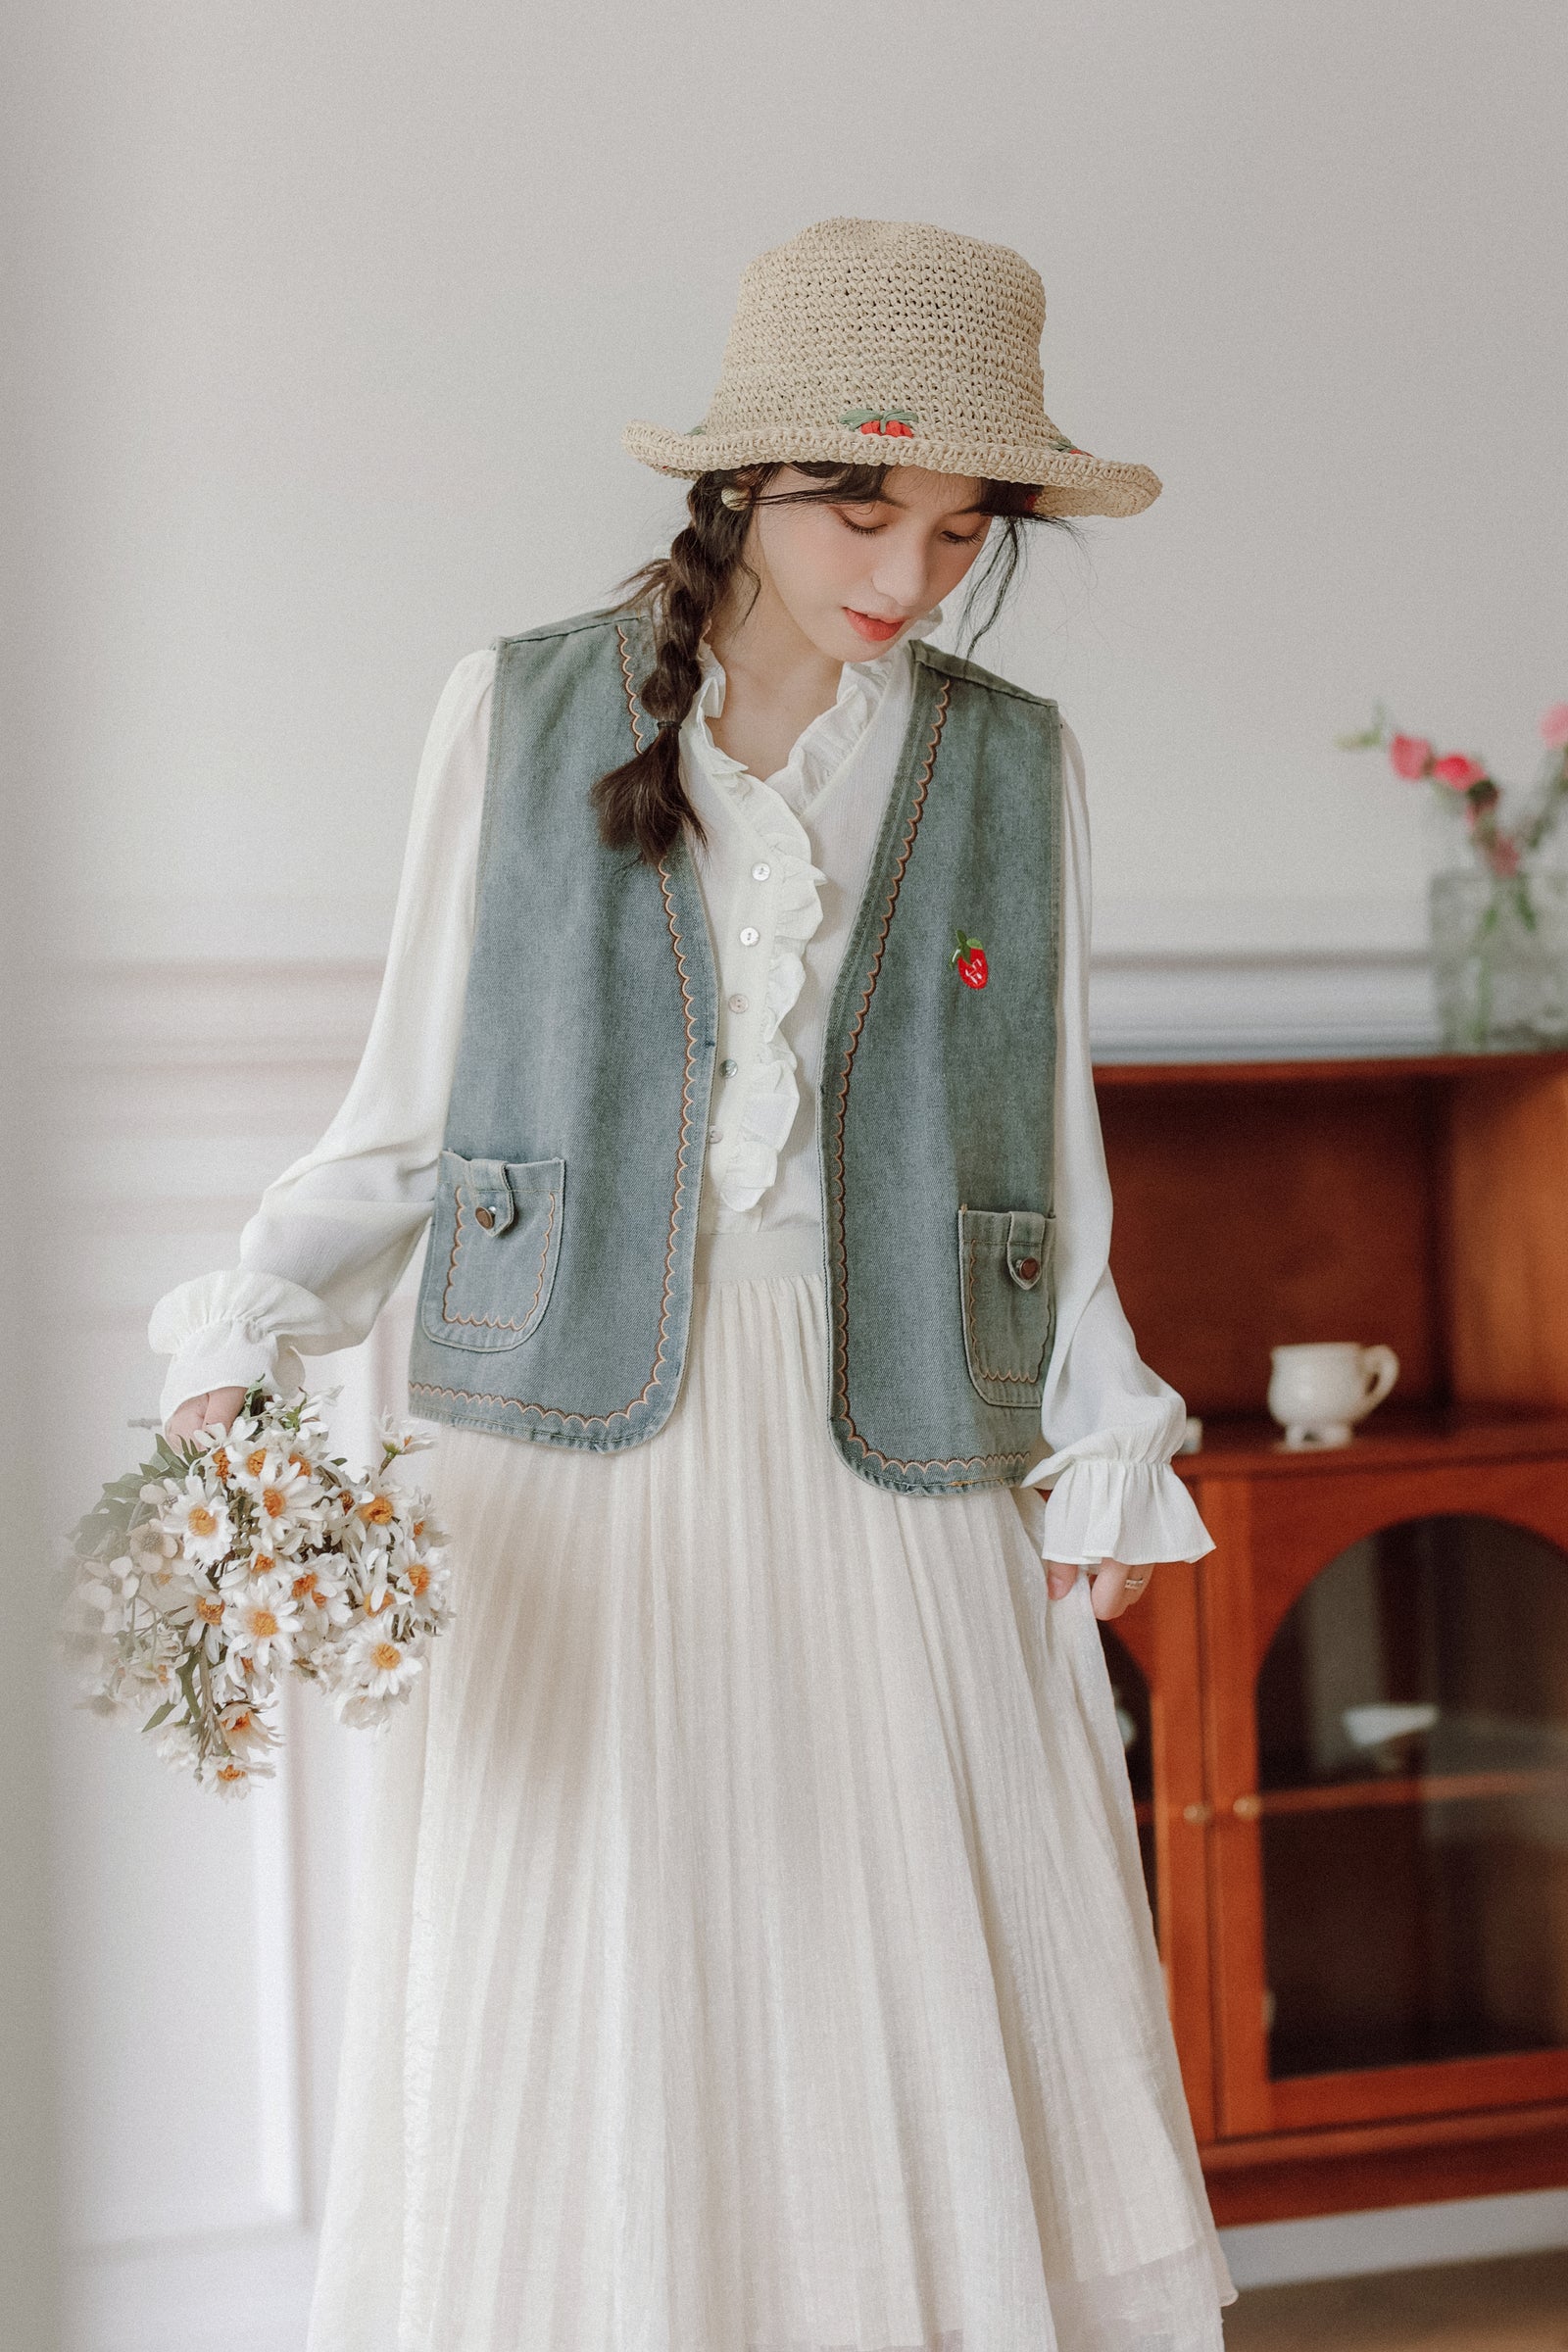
column 232, row 1778
column 199, row 1518
column 262, row 1627
column 381, row 1667
column 220, row 1449
column 426, row 1582
column 247, row 1733
column 205, row 1623
column 175, row 1743
column 397, row 1438
column 321, row 1595
column 282, row 1493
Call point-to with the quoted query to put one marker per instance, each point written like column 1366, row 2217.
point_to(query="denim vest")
column 556, row 1291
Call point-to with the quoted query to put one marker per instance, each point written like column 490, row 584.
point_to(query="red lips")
column 879, row 631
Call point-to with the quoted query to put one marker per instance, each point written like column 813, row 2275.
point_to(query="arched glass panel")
column 1131, row 1694
column 1412, row 1716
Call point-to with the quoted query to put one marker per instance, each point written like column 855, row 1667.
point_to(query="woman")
column 753, row 1955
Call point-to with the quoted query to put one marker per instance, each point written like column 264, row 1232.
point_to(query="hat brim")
column 1071, row 484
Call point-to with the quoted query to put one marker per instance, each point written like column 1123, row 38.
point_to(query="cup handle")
column 1381, row 1368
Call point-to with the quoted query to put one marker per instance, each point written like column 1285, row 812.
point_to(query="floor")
column 1519, row 2305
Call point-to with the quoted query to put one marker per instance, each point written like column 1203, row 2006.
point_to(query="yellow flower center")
column 376, row 1602
column 386, row 1656
column 305, row 1584
column 231, row 1772
column 210, row 1610
column 221, row 1460
column 201, row 1522
column 419, row 1578
column 376, row 1512
column 263, row 1624
column 254, row 1460
column 273, row 1502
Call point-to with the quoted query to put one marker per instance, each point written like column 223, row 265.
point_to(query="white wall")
column 347, row 304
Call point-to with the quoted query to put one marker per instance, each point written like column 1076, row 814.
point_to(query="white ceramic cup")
column 1318, row 1392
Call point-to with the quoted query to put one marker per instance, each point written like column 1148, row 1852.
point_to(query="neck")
column 769, row 663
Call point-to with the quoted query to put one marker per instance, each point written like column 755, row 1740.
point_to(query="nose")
column 900, row 573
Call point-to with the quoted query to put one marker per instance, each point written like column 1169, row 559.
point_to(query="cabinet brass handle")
column 1197, row 1815
column 1247, row 1809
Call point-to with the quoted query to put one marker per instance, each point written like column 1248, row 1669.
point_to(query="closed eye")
column 869, row 530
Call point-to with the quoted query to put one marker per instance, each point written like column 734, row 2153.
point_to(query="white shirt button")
column 760, row 873
column 715, row 1134
column 750, row 936
column 739, row 1004
column 729, row 1068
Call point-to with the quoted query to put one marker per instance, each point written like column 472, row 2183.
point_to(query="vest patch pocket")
column 494, row 1243
column 1007, row 1278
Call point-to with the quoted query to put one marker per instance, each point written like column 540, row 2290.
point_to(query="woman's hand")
column 1113, row 1587
column 216, row 1408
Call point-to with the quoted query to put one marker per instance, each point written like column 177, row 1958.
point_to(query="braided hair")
column 643, row 803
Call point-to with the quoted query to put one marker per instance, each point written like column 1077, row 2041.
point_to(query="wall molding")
column 235, row 1023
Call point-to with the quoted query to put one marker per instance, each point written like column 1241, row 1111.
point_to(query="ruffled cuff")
column 226, row 1329
column 1100, row 1509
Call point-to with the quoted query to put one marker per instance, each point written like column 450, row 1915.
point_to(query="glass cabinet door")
column 1389, row 1752
column 1412, row 1733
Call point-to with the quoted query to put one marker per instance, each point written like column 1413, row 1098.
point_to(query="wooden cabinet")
column 1347, row 1727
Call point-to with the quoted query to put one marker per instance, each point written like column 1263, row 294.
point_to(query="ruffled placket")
column 772, row 912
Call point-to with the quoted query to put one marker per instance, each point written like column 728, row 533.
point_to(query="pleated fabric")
column 751, row 1953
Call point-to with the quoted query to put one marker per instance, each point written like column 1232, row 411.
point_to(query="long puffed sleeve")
column 333, row 1233
column 1112, row 1423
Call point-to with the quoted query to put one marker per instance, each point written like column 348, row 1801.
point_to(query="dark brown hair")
column 643, row 805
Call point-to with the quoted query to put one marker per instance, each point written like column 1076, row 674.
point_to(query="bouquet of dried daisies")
column 233, row 1559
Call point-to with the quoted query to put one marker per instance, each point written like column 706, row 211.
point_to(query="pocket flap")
column 489, row 1194
column 1028, row 1254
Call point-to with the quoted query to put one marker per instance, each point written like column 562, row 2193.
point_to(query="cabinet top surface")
column 1367, row 1068
column 1402, row 1438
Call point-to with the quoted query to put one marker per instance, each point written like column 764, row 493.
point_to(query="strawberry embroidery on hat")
column 896, row 421
column 968, row 960
column 1068, row 449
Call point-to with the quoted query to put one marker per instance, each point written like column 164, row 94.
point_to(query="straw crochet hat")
column 892, row 343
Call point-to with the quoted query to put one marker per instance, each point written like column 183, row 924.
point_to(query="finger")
column 1061, row 1578
column 186, row 1419
column 1118, row 1587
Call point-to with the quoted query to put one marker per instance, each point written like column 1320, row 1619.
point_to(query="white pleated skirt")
column 751, row 1953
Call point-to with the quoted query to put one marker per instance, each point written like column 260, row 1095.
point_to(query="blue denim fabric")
column 582, row 1086
column 937, row 1099
column 557, row 1289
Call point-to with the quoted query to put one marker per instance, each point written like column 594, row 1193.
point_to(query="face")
column 852, row 577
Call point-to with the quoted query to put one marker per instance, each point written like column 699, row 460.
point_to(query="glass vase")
column 1499, row 959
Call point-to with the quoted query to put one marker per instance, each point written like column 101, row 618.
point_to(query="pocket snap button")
column 485, row 1217
column 1029, row 1268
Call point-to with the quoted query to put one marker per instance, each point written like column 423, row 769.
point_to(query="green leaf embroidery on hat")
column 897, row 422
column 692, row 429
column 1068, row 449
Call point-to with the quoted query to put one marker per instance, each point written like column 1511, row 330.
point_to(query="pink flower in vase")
column 1554, row 725
column 1410, row 755
column 1458, row 771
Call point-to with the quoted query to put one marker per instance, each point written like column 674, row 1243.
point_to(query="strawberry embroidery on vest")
column 968, row 960
column 896, row 421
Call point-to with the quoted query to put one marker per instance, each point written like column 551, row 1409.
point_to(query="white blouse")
column 781, row 872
